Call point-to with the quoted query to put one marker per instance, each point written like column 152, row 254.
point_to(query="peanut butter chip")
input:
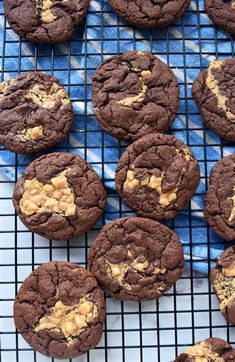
column 47, row 99
column 140, row 53
column 4, row 87
column 184, row 152
column 165, row 198
column 154, row 183
column 129, row 101
column 71, row 320
column 159, row 270
column 43, row 9
column 203, row 352
column 140, row 266
column 56, row 197
column 224, row 286
column 47, row 16
column 229, row 271
column 30, row 134
column 131, row 182
column 118, row 271
column 232, row 213
column 213, row 85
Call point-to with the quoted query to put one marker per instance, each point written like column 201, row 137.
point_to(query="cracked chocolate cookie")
column 45, row 21
column 222, row 278
column 149, row 13
column 136, row 258
column 59, row 310
column 219, row 208
column 214, row 92
column 59, row 196
column 157, row 175
column 134, row 94
column 35, row 112
column 222, row 13
column 211, row 349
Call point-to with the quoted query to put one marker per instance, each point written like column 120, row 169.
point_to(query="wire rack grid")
column 133, row 332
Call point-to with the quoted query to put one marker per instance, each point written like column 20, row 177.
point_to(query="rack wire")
column 134, row 332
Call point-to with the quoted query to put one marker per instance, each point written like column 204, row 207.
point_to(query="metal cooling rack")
column 134, row 332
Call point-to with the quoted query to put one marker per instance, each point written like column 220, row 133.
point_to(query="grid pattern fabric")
column 133, row 332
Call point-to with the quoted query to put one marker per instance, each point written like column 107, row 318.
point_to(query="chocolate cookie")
column 134, row 94
column 35, row 112
column 214, row 92
column 59, row 310
column 219, row 208
column 147, row 13
column 222, row 278
column 59, row 196
column 222, row 13
column 45, row 21
column 212, row 349
column 157, row 175
column 136, row 258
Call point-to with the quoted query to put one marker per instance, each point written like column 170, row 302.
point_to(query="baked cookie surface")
column 219, row 208
column 134, row 94
column 35, row 112
column 59, row 310
column 59, row 196
column 214, row 92
column 147, row 13
column 211, row 349
column 136, row 258
column 156, row 176
column 45, row 21
column 222, row 13
column 222, row 278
